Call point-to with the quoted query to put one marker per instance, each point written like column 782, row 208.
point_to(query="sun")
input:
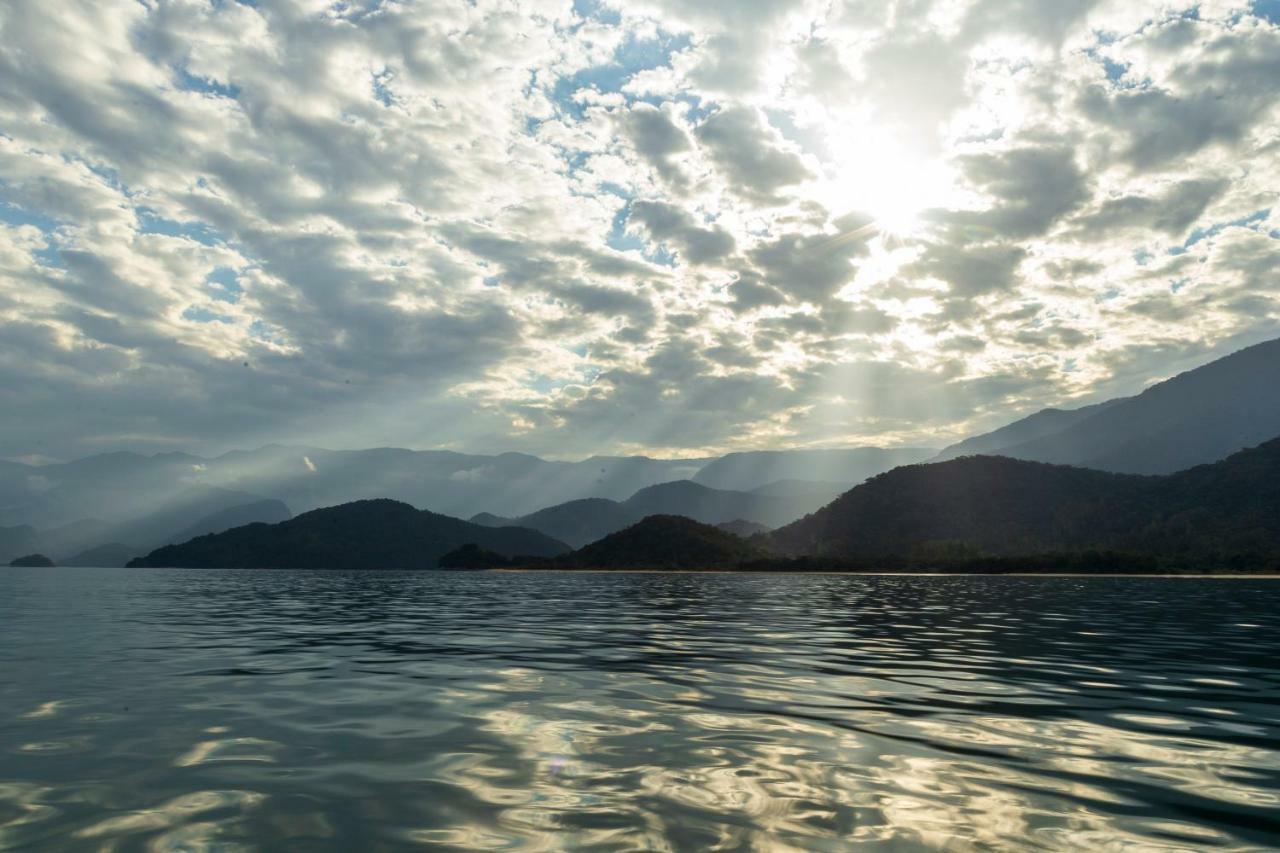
column 896, row 214
column 887, row 181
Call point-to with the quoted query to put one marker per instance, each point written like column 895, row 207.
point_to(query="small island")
column 32, row 561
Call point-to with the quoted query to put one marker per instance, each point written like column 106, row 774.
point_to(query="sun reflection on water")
column 665, row 713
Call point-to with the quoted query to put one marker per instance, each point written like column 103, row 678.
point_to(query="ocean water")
column 228, row 710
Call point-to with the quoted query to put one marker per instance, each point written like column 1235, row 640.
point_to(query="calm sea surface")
column 221, row 710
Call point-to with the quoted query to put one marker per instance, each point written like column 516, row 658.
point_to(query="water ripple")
column 203, row 710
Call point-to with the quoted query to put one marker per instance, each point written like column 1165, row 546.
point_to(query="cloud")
column 808, row 266
column 748, row 291
column 970, row 270
column 611, row 228
column 1030, row 187
column 473, row 475
column 658, row 138
column 751, row 156
column 1195, row 84
column 672, row 224
column 1171, row 212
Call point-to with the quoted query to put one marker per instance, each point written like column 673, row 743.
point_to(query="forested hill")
column 996, row 506
column 665, row 542
column 373, row 534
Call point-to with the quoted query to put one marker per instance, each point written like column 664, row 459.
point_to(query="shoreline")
column 568, row 570
column 1189, row 575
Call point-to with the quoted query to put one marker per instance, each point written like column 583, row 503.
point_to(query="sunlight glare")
column 887, row 180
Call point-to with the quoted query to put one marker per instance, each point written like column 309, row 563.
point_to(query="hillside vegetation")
column 1225, row 514
column 373, row 534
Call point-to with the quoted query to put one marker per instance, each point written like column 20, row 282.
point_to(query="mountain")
column 1042, row 424
column 663, row 542
column 266, row 511
column 583, row 521
column 449, row 483
column 1226, row 512
column 745, row 529
column 17, row 541
column 822, row 492
column 75, row 535
column 751, row 470
column 111, row 486
column 1197, row 417
column 194, row 511
column 370, row 534
column 110, row 556
column 120, row 487
column 709, row 505
column 575, row 522
column 67, row 539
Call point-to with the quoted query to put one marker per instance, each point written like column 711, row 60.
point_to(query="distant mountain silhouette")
column 745, row 529
column 751, row 470
column 117, row 487
column 113, row 487
column 809, row 490
column 266, row 511
column 77, row 535
column 664, row 542
column 110, row 556
column 194, row 512
column 372, row 534
column 584, row 521
column 120, row 487
column 712, row 506
column 997, row 506
column 143, row 501
column 16, row 541
column 575, row 522
column 1197, row 417
column 1044, row 423
column 32, row 561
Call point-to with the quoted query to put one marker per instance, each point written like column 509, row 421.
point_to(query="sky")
column 670, row 227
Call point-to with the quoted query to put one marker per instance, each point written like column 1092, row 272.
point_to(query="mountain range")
column 135, row 503
column 1221, row 516
column 1199, row 416
column 192, row 512
column 583, row 521
column 765, row 468
column 111, row 506
column 116, row 487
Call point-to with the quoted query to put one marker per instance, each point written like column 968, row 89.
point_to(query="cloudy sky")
column 663, row 226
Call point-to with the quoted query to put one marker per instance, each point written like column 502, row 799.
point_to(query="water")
column 221, row 710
